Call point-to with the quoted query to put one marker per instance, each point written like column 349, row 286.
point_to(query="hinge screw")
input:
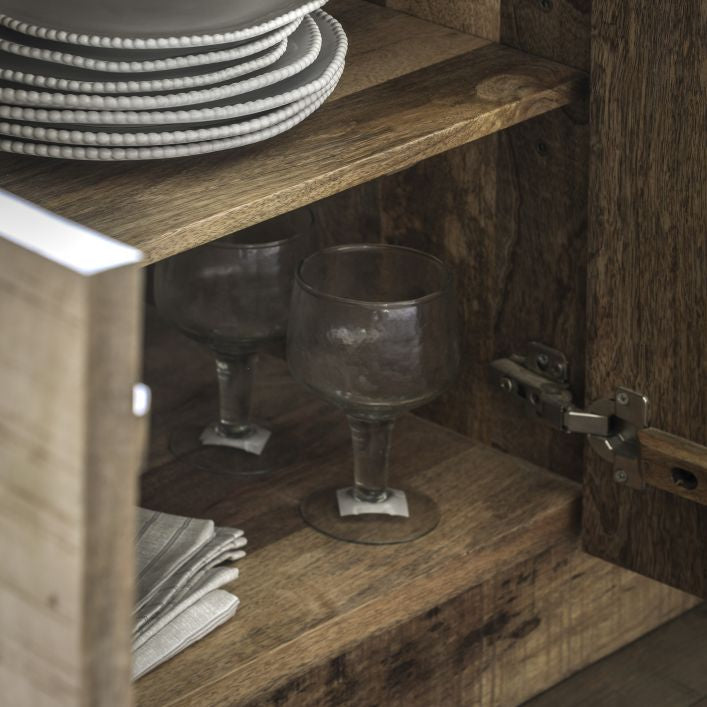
column 620, row 476
column 506, row 384
column 558, row 369
column 622, row 399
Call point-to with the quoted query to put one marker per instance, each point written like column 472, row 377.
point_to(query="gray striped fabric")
column 179, row 580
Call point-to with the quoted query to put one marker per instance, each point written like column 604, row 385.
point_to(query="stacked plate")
column 150, row 79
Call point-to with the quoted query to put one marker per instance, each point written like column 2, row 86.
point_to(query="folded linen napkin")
column 190, row 626
column 179, row 598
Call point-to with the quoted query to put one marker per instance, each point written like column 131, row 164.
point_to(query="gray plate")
column 133, row 22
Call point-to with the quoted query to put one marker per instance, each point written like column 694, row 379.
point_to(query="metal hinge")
column 540, row 379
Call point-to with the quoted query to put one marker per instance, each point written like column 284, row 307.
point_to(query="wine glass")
column 233, row 296
column 373, row 330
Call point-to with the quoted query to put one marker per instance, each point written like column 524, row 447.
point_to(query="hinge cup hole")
column 684, row 478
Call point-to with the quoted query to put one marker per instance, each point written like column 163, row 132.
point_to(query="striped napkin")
column 180, row 573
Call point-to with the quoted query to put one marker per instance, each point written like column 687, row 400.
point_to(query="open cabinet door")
column 70, row 438
column 647, row 295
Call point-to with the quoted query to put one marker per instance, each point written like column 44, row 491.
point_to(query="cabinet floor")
column 666, row 668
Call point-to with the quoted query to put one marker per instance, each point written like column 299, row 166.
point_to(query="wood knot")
column 505, row 88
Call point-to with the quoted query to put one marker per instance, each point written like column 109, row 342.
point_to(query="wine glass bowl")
column 373, row 331
column 233, row 295
column 367, row 320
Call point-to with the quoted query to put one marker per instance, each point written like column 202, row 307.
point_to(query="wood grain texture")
column 352, row 216
column 647, row 302
column 114, row 450
column 673, row 464
column 411, row 90
column 664, row 669
column 481, row 18
column 507, row 213
column 69, row 456
column 490, row 608
column 554, row 29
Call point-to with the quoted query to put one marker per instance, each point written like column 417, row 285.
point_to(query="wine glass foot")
column 321, row 511
column 253, row 443
column 280, row 451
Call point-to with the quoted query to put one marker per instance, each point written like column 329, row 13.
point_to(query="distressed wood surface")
column 674, row 464
column 509, row 212
column 352, row 216
column 647, row 302
column 482, row 18
column 411, row 89
column 69, row 456
column 493, row 606
column 555, row 29
column 664, row 669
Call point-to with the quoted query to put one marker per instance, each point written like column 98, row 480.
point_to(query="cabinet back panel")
column 509, row 213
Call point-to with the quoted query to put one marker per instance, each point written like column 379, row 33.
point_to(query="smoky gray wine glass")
column 233, row 297
column 373, row 330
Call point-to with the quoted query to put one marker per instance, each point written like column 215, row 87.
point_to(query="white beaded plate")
column 145, row 24
column 57, row 77
column 314, row 78
column 139, row 137
column 303, row 47
column 110, row 154
column 135, row 61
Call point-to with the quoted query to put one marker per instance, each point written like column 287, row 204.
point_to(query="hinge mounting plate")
column 540, row 379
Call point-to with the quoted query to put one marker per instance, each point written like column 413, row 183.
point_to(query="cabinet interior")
column 460, row 129
column 467, row 610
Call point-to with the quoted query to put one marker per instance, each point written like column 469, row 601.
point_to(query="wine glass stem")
column 235, row 385
column 371, row 449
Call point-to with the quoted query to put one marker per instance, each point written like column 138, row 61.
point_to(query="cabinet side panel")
column 43, row 320
column 113, row 454
column 68, row 463
column 647, row 301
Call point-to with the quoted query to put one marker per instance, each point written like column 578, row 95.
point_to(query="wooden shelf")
column 411, row 89
column 323, row 622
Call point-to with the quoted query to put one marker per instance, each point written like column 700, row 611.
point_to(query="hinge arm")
column 539, row 379
column 589, row 423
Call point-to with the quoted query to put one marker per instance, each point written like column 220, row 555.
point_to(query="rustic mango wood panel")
column 493, row 606
column 411, row 89
column 555, row 29
column 482, row 18
column 69, row 355
column 667, row 459
column 647, row 303
column 352, row 216
column 664, row 669
column 509, row 213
